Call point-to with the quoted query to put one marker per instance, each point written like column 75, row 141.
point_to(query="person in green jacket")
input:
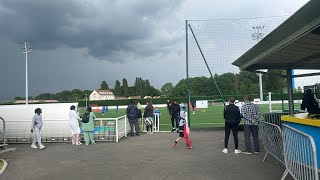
column 88, row 128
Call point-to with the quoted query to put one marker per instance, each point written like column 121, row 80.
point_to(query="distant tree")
column 166, row 89
column 273, row 81
column 125, row 88
column 19, row 98
column 117, row 89
column 147, row 88
column 104, row 85
column 154, row 91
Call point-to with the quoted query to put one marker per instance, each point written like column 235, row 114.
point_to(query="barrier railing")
column 3, row 133
column 299, row 154
column 274, row 118
column 105, row 129
column 272, row 140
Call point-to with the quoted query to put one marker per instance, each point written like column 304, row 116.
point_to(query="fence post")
column 270, row 106
column 117, row 130
column 125, row 126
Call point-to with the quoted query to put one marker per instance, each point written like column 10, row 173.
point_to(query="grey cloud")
column 105, row 28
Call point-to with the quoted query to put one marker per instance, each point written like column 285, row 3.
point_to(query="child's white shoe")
column 34, row 146
column 41, row 146
column 237, row 151
column 225, row 150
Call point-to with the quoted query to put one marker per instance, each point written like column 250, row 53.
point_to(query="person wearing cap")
column 74, row 126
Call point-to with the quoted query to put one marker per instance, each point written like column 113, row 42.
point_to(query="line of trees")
column 240, row 83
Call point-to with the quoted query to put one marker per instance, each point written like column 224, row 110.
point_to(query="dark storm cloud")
column 105, row 28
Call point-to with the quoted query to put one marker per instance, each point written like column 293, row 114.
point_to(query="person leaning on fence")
column 310, row 102
column 74, row 126
column 148, row 116
column 36, row 126
column 251, row 114
column 132, row 114
column 231, row 115
column 88, row 127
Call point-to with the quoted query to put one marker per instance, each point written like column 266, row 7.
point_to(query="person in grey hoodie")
column 36, row 129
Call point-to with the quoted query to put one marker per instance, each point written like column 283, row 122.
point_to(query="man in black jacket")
column 232, row 119
column 133, row 115
column 174, row 110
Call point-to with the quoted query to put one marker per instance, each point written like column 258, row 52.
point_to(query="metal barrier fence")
column 3, row 133
column 274, row 118
column 105, row 129
column 272, row 140
column 299, row 154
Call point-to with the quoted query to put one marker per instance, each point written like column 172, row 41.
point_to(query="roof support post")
column 290, row 92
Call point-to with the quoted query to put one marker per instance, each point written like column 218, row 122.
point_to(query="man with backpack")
column 133, row 115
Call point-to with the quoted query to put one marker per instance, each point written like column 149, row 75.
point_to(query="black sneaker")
column 137, row 134
column 173, row 129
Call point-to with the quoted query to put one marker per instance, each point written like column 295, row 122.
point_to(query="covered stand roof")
column 295, row 44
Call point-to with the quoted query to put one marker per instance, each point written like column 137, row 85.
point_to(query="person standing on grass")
column 88, row 127
column 117, row 109
column 183, row 130
column 36, row 126
column 174, row 110
column 74, row 126
column 231, row 115
column 132, row 114
column 251, row 113
column 148, row 116
column 103, row 110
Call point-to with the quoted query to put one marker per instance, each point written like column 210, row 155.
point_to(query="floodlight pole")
column 27, row 49
column 258, row 36
column 187, row 80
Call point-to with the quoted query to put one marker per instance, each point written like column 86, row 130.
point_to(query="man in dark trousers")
column 174, row 110
column 251, row 113
column 133, row 116
column 232, row 119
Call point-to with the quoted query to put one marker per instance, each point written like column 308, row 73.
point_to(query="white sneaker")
column 34, row 146
column 237, row 151
column 225, row 150
column 151, row 132
column 42, row 146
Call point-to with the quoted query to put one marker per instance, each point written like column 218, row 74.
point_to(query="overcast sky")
column 79, row 43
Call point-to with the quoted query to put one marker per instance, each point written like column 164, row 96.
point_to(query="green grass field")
column 203, row 118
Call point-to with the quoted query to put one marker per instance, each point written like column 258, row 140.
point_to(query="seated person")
column 310, row 102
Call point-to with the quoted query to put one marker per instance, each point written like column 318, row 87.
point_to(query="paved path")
column 143, row 157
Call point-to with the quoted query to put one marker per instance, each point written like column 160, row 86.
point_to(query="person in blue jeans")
column 251, row 113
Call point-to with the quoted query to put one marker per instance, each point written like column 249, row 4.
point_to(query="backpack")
column 86, row 117
column 132, row 113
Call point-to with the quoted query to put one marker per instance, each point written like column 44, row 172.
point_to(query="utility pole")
column 26, row 49
column 258, row 35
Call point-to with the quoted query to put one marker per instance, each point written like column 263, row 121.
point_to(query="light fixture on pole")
column 26, row 49
column 258, row 35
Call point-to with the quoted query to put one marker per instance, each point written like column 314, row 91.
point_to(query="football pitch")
column 203, row 118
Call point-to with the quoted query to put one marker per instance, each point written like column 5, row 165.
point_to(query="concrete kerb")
column 4, row 167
